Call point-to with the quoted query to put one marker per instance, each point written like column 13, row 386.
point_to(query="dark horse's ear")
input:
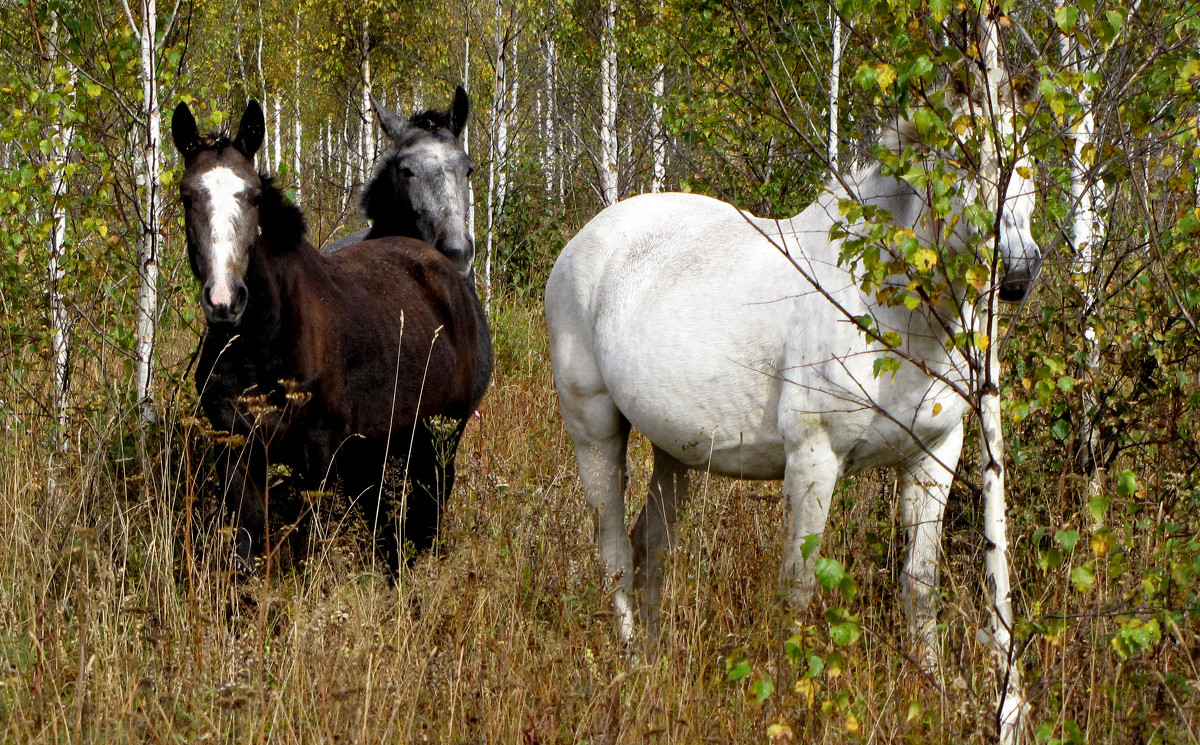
column 251, row 131
column 392, row 124
column 460, row 111
column 184, row 131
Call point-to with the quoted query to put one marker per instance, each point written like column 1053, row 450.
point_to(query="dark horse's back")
column 484, row 354
column 409, row 320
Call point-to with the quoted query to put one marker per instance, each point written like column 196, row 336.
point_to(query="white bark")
column 148, row 240
column 609, row 147
column 497, row 166
column 278, row 154
column 60, row 157
column 995, row 525
column 549, row 112
column 1086, row 233
column 465, row 135
column 835, row 86
column 297, row 128
column 658, row 172
column 367, row 130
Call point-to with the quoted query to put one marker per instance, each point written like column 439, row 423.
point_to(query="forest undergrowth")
column 121, row 619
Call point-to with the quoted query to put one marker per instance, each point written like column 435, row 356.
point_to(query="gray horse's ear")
column 460, row 111
column 392, row 124
column 251, row 131
column 184, row 131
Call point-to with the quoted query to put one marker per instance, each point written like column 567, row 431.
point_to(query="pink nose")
column 224, row 303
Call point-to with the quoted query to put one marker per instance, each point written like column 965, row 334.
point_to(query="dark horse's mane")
column 431, row 120
column 279, row 218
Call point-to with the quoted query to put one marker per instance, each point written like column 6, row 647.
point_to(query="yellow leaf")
column 852, row 724
column 885, row 76
column 103, row 228
column 807, row 690
column 937, row 409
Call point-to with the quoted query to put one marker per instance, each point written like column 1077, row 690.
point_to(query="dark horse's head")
column 422, row 189
column 224, row 203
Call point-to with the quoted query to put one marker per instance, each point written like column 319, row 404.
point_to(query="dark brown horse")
column 355, row 366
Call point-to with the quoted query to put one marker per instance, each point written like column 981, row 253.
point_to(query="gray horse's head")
column 422, row 188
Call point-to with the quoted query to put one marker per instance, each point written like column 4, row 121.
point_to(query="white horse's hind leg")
column 808, row 482
column 924, row 488
column 654, row 532
column 601, row 437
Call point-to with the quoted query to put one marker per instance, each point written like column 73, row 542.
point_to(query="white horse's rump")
column 681, row 316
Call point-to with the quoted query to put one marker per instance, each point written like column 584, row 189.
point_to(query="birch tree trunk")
column 999, row 131
column 367, row 130
column 1086, row 233
column 549, row 115
column 297, row 127
column 658, row 135
column 60, row 157
column 465, row 135
column 835, row 85
column 497, row 170
column 609, row 147
column 150, row 148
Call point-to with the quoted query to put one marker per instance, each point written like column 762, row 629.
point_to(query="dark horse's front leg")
column 417, row 482
column 243, row 473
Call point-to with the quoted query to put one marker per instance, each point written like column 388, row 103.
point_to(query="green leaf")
column 1061, row 429
column 1066, row 383
column 793, row 648
column 811, row 543
column 1127, row 484
column 761, row 690
column 1116, row 20
column 1067, row 539
column 1066, row 17
column 1098, row 508
column 739, row 671
column 830, row 572
column 844, row 628
column 1083, row 577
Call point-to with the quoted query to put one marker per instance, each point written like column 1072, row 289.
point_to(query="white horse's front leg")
column 809, row 478
column 924, row 488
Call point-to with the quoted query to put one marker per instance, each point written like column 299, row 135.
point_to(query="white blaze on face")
column 224, row 188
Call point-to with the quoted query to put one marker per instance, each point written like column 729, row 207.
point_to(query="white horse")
column 728, row 341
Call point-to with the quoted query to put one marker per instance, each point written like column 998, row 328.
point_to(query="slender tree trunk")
column 549, row 113
column 497, row 168
column 995, row 527
column 148, row 239
column 367, row 131
column 268, row 141
column 465, row 135
column 60, row 157
column 1086, row 233
column 609, row 147
column 835, row 85
column 297, row 127
column 658, row 173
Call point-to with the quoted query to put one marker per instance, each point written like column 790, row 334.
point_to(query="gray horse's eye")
column 406, row 172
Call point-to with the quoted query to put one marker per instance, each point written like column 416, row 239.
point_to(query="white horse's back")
column 677, row 307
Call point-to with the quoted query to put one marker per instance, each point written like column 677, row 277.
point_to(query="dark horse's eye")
column 406, row 172
column 187, row 201
column 256, row 199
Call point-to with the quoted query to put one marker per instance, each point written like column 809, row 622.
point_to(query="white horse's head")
column 1014, row 240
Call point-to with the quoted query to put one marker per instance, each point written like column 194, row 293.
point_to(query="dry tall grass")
column 120, row 621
